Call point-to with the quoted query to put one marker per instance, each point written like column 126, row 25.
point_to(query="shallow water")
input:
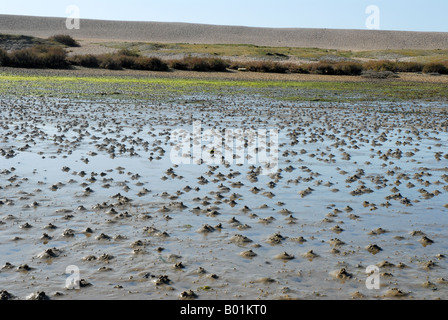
column 61, row 134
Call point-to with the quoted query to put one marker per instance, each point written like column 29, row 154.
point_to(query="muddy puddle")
column 91, row 186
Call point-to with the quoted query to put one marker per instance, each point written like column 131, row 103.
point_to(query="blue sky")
column 411, row 15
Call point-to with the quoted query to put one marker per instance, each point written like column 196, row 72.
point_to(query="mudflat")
column 90, row 191
column 340, row 194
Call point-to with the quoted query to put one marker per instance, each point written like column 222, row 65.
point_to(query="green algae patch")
column 160, row 88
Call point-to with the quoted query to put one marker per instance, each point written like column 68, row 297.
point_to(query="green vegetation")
column 149, row 64
column 54, row 57
column 436, row 68
column 175, row 89
column 338, row 68
column 228, row 50
column 261, row 66
column 205, row 288
column 64, row 40
column 414, row 55
column 37, row 57
column 21, row 40
column 280, row 53
column 109, row 61
column 124, row 58
column 199, row 64
column 87, row 61
column 119, row 61
column 49, row 53
column 323, row 67
column 393, row 66
column 132, row 60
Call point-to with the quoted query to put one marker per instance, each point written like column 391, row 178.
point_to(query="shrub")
column 381, row 65
column 435, row 67
column 217, row 64
column 298, row 68
column 321, row 68
column 393, row 66
column 108, row 61
column 65, row 40
column 53, row 57
column 347, row 68
column 343, row 68
column 200, row 64
column 178, row 64
column 24, row 58
column 39, row 57
column 235, row 65
column 266, row 66
column 4, row 58
column 404, row 66
column 126, row 61
column 150, row 64
column 87, row 61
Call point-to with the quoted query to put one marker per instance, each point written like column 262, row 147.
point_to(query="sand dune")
column 199, row 33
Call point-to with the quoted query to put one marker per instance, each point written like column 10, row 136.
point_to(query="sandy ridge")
column 201, row 33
